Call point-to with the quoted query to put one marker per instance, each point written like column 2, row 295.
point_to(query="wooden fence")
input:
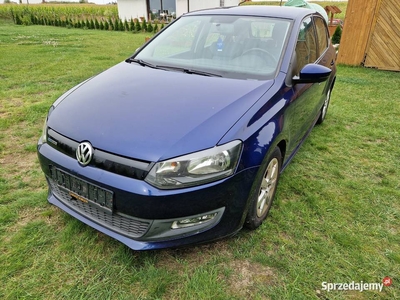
column 371, row 34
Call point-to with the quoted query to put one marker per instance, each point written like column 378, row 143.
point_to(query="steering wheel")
column 261, row 52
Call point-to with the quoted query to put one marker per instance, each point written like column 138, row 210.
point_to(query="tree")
column 116, row 24
column 337, row 35
column 132, row 25
column 144, row 25
column 96, row 24
column 126, row 25
column 137, row 26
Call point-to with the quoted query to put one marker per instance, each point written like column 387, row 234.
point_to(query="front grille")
column 120, row 223
column 110, row 162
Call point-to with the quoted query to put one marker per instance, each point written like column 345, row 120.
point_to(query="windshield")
column 230, row 46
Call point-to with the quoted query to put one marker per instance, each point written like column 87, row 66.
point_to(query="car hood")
column 152, row 114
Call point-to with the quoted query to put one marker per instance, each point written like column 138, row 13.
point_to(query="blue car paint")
column 159, row 202
column 214, row 110
column 195, row 101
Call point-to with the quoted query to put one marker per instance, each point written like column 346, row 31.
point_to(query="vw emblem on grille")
column 84, row 153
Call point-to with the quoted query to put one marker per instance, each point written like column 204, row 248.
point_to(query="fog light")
column 193, row 221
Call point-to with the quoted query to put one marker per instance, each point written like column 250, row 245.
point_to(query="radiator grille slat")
column 123, row 224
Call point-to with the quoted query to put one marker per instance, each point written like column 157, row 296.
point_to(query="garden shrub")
column 96, row 18
column 138, row 27
column 132, row 25
column 337, row 35
column 144, row 25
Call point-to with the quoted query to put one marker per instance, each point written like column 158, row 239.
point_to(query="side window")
column 306, row 47
column 322, row 35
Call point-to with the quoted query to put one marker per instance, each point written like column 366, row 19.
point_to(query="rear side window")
column 322, row 35
column 306, row 47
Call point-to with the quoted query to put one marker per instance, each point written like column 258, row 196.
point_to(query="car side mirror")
column 312, row 73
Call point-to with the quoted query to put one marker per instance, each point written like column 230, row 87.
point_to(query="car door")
column 306, row 98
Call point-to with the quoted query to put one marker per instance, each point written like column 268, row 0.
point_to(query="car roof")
column 257, row 10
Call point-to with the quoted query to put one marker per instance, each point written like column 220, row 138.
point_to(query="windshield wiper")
column 203, row 73
column 185, row 70
column 191, row 71
column 142, row 63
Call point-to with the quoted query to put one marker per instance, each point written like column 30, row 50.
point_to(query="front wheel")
column 265, row 190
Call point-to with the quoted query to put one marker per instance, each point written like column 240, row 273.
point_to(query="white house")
column 131, row 9
column 184, row 6
column 128, row 9
column 62, row 1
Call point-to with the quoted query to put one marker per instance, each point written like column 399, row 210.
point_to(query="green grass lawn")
column 335, row 218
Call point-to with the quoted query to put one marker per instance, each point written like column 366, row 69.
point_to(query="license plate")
column 83, row 191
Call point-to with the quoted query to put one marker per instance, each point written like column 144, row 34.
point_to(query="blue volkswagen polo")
column 184, row 142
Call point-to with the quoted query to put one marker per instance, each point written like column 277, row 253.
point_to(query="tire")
column 264, row 190
column 324, row 108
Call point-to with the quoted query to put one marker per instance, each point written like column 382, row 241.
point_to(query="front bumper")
column 143, row 215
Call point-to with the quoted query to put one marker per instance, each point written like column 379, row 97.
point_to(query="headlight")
column 44, row 131
column 196, row 168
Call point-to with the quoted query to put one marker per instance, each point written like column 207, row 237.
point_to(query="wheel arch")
column 282, row 146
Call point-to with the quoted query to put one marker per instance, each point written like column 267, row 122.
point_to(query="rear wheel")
column 266, row 185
